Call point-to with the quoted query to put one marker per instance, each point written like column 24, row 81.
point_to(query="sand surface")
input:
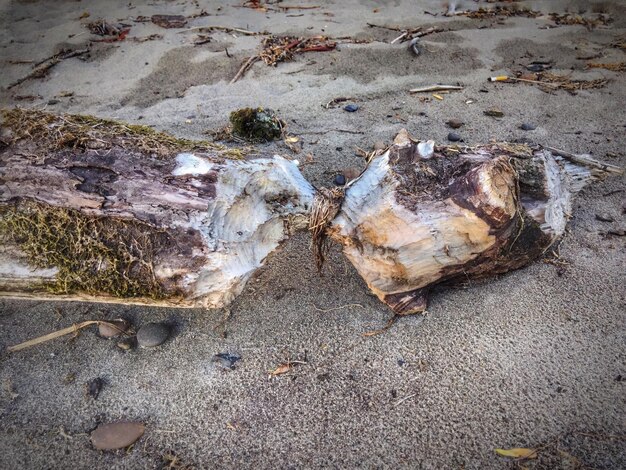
column 534, row 358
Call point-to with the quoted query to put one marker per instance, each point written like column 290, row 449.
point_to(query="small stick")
column 399, row 37
column 587, row 161
column 325, row 310
column 41, row 71
column 402, row 400
column 244, row 68
column 57, row 334
column 224, row 28
column 435, row 88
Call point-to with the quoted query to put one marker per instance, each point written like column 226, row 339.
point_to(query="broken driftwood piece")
column 410, row 222
column 98, row 210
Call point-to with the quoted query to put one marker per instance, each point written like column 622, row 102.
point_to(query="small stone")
column 340, row 180
column 526, row 126
column 350, row 108
column 454, row 137
column 455, row 123
column 225, row 361
column 151, row 335
column 126, row 344
column 113, row 328
column 351, row 173
column 118, row 435
column 379, row 145
column 53, row 102
column 604, row 217
column 93, row 387
column 494, row 112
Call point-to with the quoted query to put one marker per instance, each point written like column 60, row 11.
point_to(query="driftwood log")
column 98, row 210
column 421, row 216
column 103, row 211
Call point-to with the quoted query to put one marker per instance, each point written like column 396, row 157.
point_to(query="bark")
column 410, row 222
column 110, row 218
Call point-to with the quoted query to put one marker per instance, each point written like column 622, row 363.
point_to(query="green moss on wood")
column 256, row 125
column 81, row 131
column 94, row 255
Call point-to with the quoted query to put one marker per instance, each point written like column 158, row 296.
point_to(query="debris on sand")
column 42, row 67
column 152, row 335
column 104, row 28
column 426, row 89
column 500, row 11
column 551, row 81
column 612, row 66
column 568, row 19
column 256, row 124
column 169, row 21
column 113, row 328
column 282, row 48
column 225, row 361
column 93, row 388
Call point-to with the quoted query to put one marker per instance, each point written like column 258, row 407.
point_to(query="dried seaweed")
column 81, row 131
column 501, row 11
column 568, row 19
column 570, row 85
column 283, row 48
column 613, row 66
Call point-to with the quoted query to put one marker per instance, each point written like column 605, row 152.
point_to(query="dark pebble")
column 53, row 101
column 528, row 127
column 152, row 334
column 93, row 387
column 604, row 217
column 454, row 123
column 350, row 108
column 340, row 180
column 225, row 361
column 454, row 137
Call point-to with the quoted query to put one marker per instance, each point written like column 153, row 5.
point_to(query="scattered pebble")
column 454, row 123
column 53, row 102
column 93, row 387
column 351, row 173
column 118, row 435
column 151, row 335
column 604, row 217
column 379, row 145
column 113, row 328
column 494, row 112
column 340, row 180
column 350, row 108
column 526, row 126
column 126, row 344
column 225, row 361
column 454, row 137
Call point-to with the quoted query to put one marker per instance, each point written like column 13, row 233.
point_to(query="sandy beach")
column 533, row 359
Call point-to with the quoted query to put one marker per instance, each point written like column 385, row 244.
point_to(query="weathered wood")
column 410, row 222
column 96, row 210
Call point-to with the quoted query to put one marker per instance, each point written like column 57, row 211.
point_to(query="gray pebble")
column 351, row 108
column 340, row 180
column 454, row 123
column 53, row 102
column 151, row 335
column 113, row 328
column 528, row 126
column 225, row 361
column 454, row 137
column 605, row 217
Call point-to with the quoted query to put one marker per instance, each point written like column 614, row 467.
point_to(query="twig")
column 587, row 161
column 399, row 37
column 402, row 400
column 425, row 89
column 388, row 325
column 57, row 334
column 42, row 70
column 244, row 68
column 226, row 29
